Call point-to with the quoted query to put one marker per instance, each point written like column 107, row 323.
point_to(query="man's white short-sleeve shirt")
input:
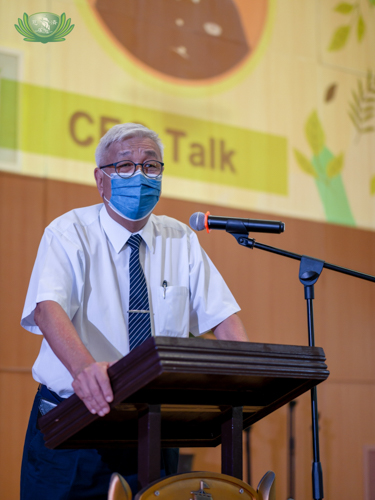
column 83, row 264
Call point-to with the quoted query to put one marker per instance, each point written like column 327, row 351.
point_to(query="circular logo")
column 183, row 43
column 44, row 27
column 44, row 23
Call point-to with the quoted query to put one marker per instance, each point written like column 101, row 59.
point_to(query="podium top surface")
column 194, row 381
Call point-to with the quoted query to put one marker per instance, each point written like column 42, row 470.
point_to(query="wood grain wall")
column 273, row 310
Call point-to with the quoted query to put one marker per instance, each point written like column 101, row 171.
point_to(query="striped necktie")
column 139, row 310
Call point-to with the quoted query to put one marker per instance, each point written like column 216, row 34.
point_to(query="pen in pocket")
column 165, row 284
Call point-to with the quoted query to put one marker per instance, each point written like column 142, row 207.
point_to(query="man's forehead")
column 133, row 145
column 129, row 151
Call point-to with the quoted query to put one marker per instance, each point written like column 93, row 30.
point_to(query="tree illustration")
column 325, row 168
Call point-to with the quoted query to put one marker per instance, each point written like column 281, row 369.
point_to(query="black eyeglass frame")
column 135, row 168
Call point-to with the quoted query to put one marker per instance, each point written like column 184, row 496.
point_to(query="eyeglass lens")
column 127, row 168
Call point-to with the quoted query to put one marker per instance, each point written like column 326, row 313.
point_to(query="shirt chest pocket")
column 172, row 311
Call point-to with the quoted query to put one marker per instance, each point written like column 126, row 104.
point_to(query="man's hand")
column 93, row 387
column 91, row 382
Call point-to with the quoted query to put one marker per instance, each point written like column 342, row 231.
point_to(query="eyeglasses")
column 126, row 168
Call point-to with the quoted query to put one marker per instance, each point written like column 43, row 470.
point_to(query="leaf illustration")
column 67, row 31
column 67, row 24
column 29, row 36
column 314, row 133
column 19, row 30
column 344, row 8
column 372, row 185
column 355, row 97
column 26, row 24
column 355, row 122
column 22, row 26
column 363, row 114
column 355, row 111
column 335, row 166
column 304, row 163
column 368, row 116
column 370, row 80
column 362, row 109
column 331, row 92
column 339, row 38
column 63, row 29
column 61, row 25
column 360, row 89
column 361, row 28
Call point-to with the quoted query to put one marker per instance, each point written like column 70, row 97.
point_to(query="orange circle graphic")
column 184, row 42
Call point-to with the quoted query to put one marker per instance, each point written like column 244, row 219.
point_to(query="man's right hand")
column 92, row 385
column 91, row 382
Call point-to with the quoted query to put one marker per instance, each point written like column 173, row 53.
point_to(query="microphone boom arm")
column 251, row 243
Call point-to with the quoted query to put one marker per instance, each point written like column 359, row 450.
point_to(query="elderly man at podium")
column 106, row 278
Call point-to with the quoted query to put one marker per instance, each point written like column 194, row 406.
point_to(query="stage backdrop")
column 266, row 108
column 262, row 105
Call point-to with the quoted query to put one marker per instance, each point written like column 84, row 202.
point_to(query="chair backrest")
column 196, row 486
column 266, row 487
column 119, row 488
column 203, row 486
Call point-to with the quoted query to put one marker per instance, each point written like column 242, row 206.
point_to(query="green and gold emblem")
column 44, row 27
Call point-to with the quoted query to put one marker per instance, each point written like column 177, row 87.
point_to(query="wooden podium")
column 172, row 392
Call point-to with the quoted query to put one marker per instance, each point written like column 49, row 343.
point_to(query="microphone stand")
column 248, row 454
column 291, row 454
column 309, row 272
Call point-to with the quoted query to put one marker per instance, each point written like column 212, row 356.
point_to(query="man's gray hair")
column 125, row 131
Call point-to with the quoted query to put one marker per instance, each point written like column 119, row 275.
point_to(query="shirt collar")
column 119, row 235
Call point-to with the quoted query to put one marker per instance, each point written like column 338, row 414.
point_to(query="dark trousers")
column 75, row 474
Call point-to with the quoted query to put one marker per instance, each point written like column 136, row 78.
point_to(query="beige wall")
column 273, row 310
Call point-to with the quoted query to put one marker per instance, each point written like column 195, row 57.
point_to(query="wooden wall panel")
column 347, row 413
column 273, row 310
column 63, row 196
column 22, row 204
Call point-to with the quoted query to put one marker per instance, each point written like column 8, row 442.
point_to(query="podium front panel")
column 194, row 381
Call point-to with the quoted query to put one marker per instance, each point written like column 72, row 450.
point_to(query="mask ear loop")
column 110, row 176
column 206, row 221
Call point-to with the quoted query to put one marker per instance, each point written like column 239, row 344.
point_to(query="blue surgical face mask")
column 134, row 198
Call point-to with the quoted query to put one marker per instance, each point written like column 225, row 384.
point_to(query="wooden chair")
column 119, row 488
column 196, row 486
column 266, row 487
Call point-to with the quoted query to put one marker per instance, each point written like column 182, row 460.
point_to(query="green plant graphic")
column 362, row 107
column 326, row 169
column 355, row 22
column 362, row 110
column 44, row 27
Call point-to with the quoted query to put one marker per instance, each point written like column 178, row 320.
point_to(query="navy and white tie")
column 139, row 309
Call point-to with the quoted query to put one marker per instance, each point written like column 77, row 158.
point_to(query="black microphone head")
column 196, row 221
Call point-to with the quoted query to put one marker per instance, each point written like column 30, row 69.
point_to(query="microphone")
column 199, row 221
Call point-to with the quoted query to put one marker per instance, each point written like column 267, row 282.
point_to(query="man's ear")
column 99, row 180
